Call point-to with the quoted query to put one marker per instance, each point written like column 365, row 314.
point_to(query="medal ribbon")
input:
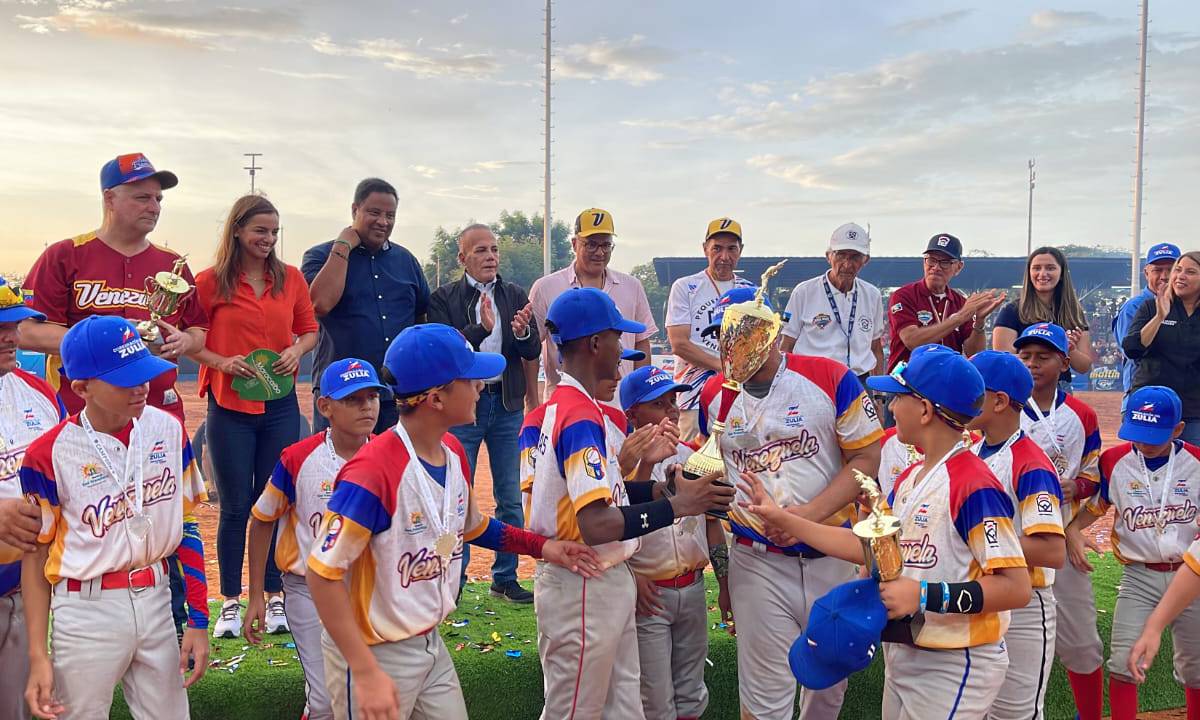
column 837, row 314
column 440, row 522
column 133, row 451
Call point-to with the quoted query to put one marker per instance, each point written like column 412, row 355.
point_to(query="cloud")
column 790, row 170
column 494, row 165
column 303, row 75
column 1055, row 20
column 459, row 19
column 759, row 88
column 932, row 22
column 466, row 192
column 394, row 55
column 631, row 61
column 204, row 28
column 424, row 170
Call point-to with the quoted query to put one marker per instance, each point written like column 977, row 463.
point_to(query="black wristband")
column 933, row 601
column 639, row 492
column 646, row 517
column 965, row 598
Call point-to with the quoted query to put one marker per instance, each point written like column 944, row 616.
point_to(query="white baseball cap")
column 850, row 237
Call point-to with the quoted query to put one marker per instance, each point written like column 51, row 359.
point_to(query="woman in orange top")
column 254, row 301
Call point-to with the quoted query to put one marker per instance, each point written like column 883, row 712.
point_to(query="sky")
column 793, row 118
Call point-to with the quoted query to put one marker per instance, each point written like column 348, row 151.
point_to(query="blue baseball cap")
column 431, row 355
column 1151, row 414
column 1162, row 251
column 347, row 376
column 732, row 296
column 108, row 348
column 1004, row 372
column 647, row 383
column 1045, row 333
column 12, row 305
column 133, row 167
column 938, row 374
column 841, row 636
column 628, row 354
column 581, row 312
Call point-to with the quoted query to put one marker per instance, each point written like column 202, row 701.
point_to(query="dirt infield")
column 1107, row 406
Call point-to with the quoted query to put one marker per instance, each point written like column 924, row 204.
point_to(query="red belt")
column 777, row 550
column 683, row 580
column 1164, row 567
column 119, row 580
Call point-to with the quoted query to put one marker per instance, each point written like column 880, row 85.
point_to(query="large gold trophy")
column 879, row 534
column 164, row 291
column 748, row 330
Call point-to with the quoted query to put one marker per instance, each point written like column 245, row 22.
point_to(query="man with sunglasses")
column 930, row 311
column 593, row 246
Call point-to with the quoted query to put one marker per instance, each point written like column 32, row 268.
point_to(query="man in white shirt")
column 837, row 315
column 690, row 309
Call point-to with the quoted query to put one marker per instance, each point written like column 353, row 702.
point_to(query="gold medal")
column 444, row 546
column 689, row 525
column 139, row 526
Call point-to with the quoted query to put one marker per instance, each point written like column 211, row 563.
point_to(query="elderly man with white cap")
column 836, row 314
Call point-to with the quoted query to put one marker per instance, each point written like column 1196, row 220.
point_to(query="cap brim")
column 810, row 671
column 1135, row 432
column 138, row 372
column 634, row 355
column 629, row 326
column 657, row 392
column 1022, row 342
column 486, row 365
column 887, row 384
column 166, row 179
column 349, row 390
column 19, row 313
column 834, row 247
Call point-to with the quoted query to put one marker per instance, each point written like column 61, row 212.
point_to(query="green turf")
column 500, row 687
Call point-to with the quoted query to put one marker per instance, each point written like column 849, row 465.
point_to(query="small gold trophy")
column 879, row 534
column 164, row 291
column 748, row 330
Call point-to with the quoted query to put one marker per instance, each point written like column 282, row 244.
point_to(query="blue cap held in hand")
column 108, row 348
column 1004, row 372
column 841, row 637
column 431, row 355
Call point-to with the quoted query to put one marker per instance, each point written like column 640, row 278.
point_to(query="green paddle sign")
column 266, row 383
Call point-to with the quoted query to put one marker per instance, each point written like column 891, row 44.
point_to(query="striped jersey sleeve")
column 579, row 450
column 1037, row 489
column 983, row 515
column 857, row 421
column 1089, row 465
column 39, row 483
column 280, row 493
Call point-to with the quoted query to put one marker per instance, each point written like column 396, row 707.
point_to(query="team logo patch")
column 1181, row 488
column 325, row 491
column 592, row 464
column 1147, row 413
column 1044, row 504
column 1138, row 489
column 991, row 532
column 336, row 523
column 793, row 418
column 921, row 516
column 897, row 308
column 131, row 344
column 355, row 371
column 92, row 474
column 924, row 317
column 416, row 523
column 821, row 320
column 868, row 407
column 943, row 241
column 737, row 426
column 158, row 453
column 865, row 324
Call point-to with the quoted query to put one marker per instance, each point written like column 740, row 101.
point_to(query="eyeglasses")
column 851, row 256
column 898, row 375
column 605, row 247
column 946, row 264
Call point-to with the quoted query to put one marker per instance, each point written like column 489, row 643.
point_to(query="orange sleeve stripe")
column 590, row 497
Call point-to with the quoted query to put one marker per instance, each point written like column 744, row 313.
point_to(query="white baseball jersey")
column 1070, row 436
column 839, row 325
column 299, row 493
column 681, row 548
column 1155, row 502
column 382, row 525
column 956, row 525
column 793, row 438
column 1032, row 485
column 86, row 512
column 28, row 408
column 569, row 447
column 691, row 302
column 894, row 458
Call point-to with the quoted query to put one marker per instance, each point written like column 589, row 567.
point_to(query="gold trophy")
column 879, row 534
column 164, row 291
column 748, row 330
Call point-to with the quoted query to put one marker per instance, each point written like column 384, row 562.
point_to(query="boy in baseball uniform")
column 385, row 567
column 1152, row 482
column 117, row 484
column 1068, row 431
column 963, row 564
column 1032, row 486
column 1183, row 591
column 28, row 408
column 587, row 637
column 298, row 495
column 672, row 614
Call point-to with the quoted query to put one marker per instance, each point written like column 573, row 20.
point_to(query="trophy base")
column 719, row 513
column 149, row 332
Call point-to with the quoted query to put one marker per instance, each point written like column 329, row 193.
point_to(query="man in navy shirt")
column 365, row 289
column 1159, row 260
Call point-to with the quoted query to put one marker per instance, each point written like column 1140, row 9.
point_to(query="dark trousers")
column 244, row 450
column 498, row 427
column 388, row 414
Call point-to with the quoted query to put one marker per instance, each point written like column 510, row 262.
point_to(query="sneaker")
column 512, row 592
column 276, row 619
column 229, row 623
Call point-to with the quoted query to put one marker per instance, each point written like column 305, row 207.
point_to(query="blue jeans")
column 498, row 427
column 244, row 450
column 1191, row 430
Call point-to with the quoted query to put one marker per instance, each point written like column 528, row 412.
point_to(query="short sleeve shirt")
column 827, row 322
column 913, row 304
column 1070, row 436
column 691, row 303
column 678, row 548
column 79, row 277
column 385, row 292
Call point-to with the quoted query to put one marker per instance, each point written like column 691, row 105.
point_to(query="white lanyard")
column 1007, row 444
column 139, row 524
column 960, row 445
column 333, row 456
column 1048, row 418
column 440, row 522
column 1161, row 521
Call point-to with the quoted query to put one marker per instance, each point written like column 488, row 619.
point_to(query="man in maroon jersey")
column 104, row 273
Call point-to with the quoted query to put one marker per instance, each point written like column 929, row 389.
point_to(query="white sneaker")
column 229, row 623
column 276, row 619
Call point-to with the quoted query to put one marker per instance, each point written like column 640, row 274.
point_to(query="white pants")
column 1077, row 641
column 1030, row 643
column 306, row 631
column 1141, row 590
column 420, row 668
column 14, row 659
column 921, row 684
column 672, row 646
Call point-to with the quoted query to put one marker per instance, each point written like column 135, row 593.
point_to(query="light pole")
column 546, row 218
column 1135, row 274
column 1029, row 232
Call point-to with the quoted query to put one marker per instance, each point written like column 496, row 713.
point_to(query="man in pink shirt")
column 593, row 245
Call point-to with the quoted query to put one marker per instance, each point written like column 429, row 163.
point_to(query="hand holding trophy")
column 879, row 534
column 164, row 291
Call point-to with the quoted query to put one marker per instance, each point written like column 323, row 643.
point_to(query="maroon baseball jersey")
column 82, row 276
column 913, row 304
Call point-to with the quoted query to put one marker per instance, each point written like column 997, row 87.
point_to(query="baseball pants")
column 923, row 684
column 421, row 669
column 1141, row 590
column 587, row 639
column 14, row 658
column 772, row 595
column 306, row 631
column 102, row 637
column 1030, row 644
column 1077, row 641
column 671, row 650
